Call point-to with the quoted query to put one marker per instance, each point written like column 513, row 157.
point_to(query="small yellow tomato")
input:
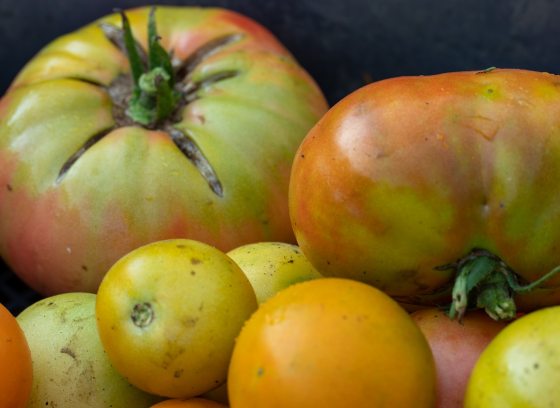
column 333, row 343
column 520, row 367
column 168, row 314
column 273, row 266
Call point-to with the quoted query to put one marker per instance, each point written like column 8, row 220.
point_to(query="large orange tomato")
column 333, row 343
column 16, row 372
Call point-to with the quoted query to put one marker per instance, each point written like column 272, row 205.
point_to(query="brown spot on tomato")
column 69, row 351
column 196, row 261
column 178, row 373
column 9, row 187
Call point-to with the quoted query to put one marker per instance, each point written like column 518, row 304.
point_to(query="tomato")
column 168, row 314
column 16, row 372
column 189, row 403
column 456, row 346
column 85, row 178
column 519, row 368
column 409, row 182
column 272, row 266
column 331, row 343
column 70, row 367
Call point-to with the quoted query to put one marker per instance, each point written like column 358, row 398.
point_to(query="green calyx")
column 154, row 98
column 485, row 281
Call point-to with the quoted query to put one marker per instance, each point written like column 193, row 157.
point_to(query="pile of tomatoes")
column 207, row 233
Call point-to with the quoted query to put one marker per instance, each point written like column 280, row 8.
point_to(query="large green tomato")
column 519, row 368
column 406, row 176
column 83, row 181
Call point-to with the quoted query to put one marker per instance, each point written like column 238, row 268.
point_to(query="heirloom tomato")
column 456, row 346
column 333, row 343
column 409, row 182
column 520, row 366
column 16, row 372
column 168, row 314
column 192, row 138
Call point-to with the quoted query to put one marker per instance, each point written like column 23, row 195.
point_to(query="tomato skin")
column 519, row 368
column 134, row 186
column 16, row 372
column 456, row 346
column 331, row 343
column 412, row 173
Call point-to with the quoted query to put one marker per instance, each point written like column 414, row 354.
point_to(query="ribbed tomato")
column 409, row 182
column 195, row 139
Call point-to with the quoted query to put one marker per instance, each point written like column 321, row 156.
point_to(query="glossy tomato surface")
column 168, row 314
column 16, row 371
column 456, row 346
column 519, row 368
column 333, row 343
column 81, row 184
column 410, row 174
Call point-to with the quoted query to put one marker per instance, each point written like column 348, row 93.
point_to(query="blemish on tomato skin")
column 260, row 372
column 195, row 261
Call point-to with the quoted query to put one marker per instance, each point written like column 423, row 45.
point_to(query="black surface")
column 342, row 43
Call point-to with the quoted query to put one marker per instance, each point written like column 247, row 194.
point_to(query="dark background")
column 342, row 43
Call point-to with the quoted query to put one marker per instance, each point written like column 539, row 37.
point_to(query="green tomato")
column 273, row 266
column 70, row 367
column 82, row 182
column 520, row 366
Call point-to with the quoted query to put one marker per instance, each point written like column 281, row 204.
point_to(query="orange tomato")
column 188, row 403
column 16, row 372
column 331, row 343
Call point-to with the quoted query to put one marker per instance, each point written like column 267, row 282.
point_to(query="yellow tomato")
column 520, row 367
column 333, row 343
column 188, row 403
column 16, row 372
column 273, row 266
column 168, row 314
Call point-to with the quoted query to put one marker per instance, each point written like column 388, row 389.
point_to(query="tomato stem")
column 153, row 98
column 485, row 281
column 142, row 314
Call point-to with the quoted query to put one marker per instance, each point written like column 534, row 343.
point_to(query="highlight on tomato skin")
column 331, row 342
column 436, row 177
